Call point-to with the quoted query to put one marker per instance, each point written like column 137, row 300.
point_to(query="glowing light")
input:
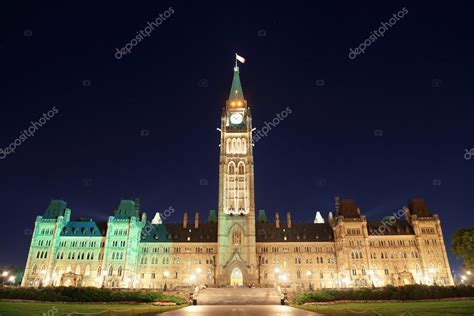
column 166, row 274
column 468, row 272
column 239, row 103
column 283, row 278
column 309, row 273
column 192, row 278
column 12, row 278
column 232, row 103
column 198, row 270
column 4, row 273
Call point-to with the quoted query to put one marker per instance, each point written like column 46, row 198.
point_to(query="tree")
column 462, row 245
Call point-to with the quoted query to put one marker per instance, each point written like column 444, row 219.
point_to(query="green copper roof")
column 236, row 91
column 212, row 218
column 262, row 216
column 56, row 208
column 81, row 228
column 126, row 209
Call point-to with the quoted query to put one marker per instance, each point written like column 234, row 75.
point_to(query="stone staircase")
column 238, row 296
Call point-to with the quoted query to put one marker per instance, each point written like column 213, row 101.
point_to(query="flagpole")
column 236, row 65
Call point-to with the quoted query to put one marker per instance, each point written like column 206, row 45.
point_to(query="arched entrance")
column 236, row 277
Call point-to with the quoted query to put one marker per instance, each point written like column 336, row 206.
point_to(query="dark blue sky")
column 414, row 84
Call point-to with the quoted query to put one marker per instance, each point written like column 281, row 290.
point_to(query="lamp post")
column 309, row 274
column 277, row 274
column 4, row 275
column 198, row 272
column 11, row 279
column 166, row 274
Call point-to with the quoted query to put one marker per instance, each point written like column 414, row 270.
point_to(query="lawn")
column 395, row 309
column 58, row 309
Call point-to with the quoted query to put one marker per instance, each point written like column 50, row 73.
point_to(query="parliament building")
column 236, row 245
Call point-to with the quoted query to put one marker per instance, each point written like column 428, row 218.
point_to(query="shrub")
column 86, row 294
column 405, row 293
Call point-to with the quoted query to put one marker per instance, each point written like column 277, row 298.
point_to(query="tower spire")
column 236, row 91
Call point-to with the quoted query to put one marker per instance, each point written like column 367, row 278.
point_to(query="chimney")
column 277, row 220
column 196, row 220
column 137, row 206
column 185, row 220
column 288, row 220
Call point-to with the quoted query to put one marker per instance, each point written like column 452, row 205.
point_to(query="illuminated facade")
column 234, row 246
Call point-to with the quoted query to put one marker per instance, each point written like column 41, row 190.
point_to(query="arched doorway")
column 236, row 277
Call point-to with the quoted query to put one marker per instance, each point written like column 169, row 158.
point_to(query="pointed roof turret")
column 262, row 216
column 212, row 218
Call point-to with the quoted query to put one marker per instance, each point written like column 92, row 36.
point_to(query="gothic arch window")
column 111, row 271
column 234, row 145
column 68, row 268
column 241, row 168
column 78, row 269
column 363, row 270
column 231, row 168
column 119, row 272
column 239, row 146
column 244, row 146
column 354, row 270
column 298, row 274
column 228, row 146
column 236, row 236
column 99, row 270
column 87, row 272
column 386, row 270
column 34, row 269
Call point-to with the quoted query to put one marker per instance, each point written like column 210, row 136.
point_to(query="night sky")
column 391, row 124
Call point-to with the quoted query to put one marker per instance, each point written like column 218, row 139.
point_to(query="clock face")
column 236, row 118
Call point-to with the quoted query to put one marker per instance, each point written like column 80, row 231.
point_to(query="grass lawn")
column 58, row 309
column 395, row 309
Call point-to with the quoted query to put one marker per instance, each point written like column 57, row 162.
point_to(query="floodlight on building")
column 4, row 273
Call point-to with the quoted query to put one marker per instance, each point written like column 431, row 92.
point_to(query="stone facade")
column 234, row 247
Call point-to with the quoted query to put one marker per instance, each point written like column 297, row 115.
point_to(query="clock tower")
column 236, row 262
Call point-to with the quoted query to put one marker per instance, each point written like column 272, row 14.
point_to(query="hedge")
column 405, row 293
column 86, row 294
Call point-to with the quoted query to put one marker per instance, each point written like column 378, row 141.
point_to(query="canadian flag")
column 240, row 58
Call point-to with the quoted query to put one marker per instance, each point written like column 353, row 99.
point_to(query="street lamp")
column 11, row 279
column 166, row 274
column 309, row 274
column 198, row 272
column 4, row 275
